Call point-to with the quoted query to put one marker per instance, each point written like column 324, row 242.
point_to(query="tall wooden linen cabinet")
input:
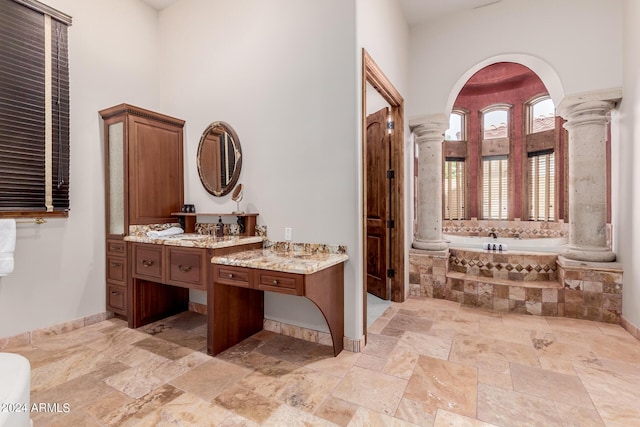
column 144, row 183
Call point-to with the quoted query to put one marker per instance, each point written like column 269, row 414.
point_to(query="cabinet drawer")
column 116, row 247
column 147, row 261
column 284, row 283
column 236, row 276
column 117, row 299
column 186, row 267
column 116, row 269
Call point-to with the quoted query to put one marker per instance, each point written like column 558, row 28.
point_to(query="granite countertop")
column 193, row 240
column 300, row 262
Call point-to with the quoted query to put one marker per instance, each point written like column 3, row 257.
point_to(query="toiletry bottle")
column 220, row 228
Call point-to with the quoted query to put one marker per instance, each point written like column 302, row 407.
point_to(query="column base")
column 589, row 253
column 430, row 245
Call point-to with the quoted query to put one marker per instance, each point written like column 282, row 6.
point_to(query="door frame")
column 372, row 74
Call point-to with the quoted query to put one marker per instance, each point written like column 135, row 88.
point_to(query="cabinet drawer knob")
column 115, row 264
column 115, row 293
column 275, row 282
column 184, row 268
column 230, row 276
column 147, row 263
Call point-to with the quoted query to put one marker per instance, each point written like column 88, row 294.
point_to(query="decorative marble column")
column 587, row 118
column 429, row 135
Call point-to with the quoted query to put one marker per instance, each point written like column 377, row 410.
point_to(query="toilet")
column 15, row 388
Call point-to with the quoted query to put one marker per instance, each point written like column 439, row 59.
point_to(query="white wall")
column 59, row 267
column 627, row 174
column 282, row 73
column 581, row 40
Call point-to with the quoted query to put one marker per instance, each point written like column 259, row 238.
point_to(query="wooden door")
column 377, row 206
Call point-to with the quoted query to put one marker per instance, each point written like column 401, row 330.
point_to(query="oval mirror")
column 219, row 158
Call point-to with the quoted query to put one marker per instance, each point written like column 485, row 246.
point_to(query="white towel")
column 7, row 245
column 173, row 231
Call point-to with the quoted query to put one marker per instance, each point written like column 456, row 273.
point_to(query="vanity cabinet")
column 236, row 295
column 144, row 184
column 161, row 276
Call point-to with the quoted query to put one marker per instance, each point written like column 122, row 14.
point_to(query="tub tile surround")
column 452, row 365
column 541, row 284
column 512, row 229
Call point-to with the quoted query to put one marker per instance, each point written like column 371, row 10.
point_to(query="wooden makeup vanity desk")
column 235, row 272
column 235, row 295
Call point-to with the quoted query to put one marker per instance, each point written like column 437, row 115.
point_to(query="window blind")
column 542, row 186
column 454, row 189
column 34, row 108
column 494, row 187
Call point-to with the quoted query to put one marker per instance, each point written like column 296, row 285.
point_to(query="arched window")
column 495, row 122
column 457, row 130
column 541, row 115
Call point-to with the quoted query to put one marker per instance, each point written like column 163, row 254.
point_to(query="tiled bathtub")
column 538, row 283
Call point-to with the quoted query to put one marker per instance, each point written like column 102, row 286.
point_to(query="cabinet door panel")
column 155, row 171
column 117, row 299
column 116, row 269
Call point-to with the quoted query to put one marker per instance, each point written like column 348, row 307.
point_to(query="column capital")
column 589, row 107
column 429, row 127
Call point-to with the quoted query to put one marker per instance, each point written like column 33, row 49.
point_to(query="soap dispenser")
column 219, row 228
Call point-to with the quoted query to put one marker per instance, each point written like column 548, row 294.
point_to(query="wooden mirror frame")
column 206, row 166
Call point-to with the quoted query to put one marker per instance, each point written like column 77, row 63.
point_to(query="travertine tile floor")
column 428, row 363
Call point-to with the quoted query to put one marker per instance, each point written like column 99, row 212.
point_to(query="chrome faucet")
column 493, row 234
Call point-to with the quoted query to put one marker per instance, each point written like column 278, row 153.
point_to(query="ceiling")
column 415, row 11
column 159, row 4
column 419, row 11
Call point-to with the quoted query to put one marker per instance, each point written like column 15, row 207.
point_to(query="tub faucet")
column 493, row 234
